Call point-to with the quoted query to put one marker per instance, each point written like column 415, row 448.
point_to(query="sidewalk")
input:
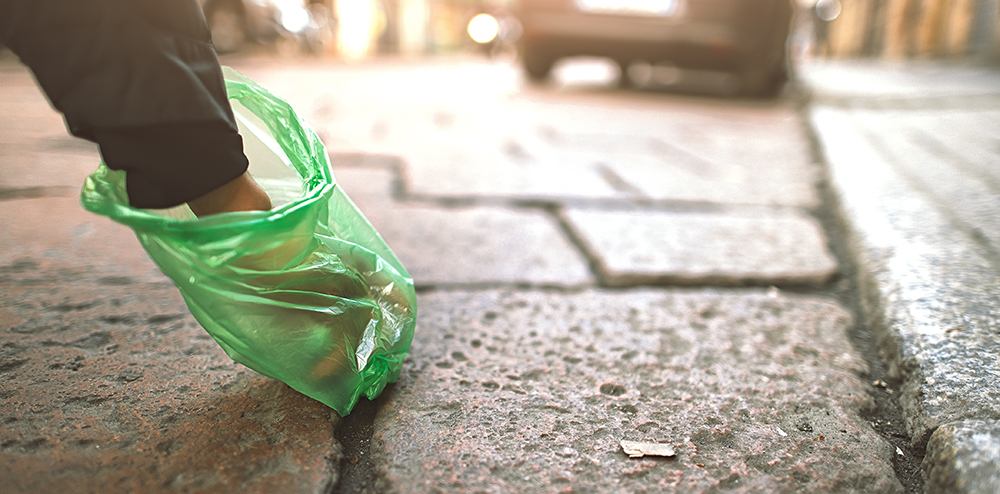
column 594, row 265
column 913, row 153
column 528, row 375
column 107, row 384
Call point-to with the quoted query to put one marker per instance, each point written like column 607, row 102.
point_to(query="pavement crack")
column 357, row 469
column 886, row 418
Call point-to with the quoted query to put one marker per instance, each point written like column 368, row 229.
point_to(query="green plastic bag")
column 307, row 293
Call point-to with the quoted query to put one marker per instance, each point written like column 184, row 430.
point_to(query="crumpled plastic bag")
column 307, row 293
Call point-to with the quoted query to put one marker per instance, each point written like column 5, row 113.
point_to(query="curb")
column 899, row 143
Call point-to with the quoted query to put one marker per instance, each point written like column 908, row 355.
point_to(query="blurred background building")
column 367, row 27
column 905, row 28
column 356, row 29
column 824, row 28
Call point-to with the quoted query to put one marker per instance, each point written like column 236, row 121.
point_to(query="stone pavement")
column 594, row 265
column 912, row 152
column 549, row 229
column 107, row 383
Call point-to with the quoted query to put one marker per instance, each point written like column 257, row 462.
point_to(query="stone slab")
column 964, row 457
column 472, row 130
column 534, row 390
column 656, row 247
column 35, row 149
column 898, row 82
column 467, row 245
column 763, row 162
column 26, row 110
column 554, row 149
column 107, row 384
column 62, row 172
column 505, row 170
column 481, row 246
column 929, row 285
column 58, row 234
column 371, row 188
column 960, row 176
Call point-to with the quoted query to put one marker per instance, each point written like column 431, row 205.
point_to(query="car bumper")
column 723, row 35
column 689, row 43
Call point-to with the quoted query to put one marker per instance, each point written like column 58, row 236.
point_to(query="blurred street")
column 594, row 264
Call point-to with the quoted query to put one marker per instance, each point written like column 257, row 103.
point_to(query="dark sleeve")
column 169, row 164
column 140, row 78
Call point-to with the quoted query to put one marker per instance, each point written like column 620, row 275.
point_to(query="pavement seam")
column 37, row 192
column 356, row 471
column 888, row 102
column 609, row 204
column 864, row 307
column 580, row 243
column 617, row 182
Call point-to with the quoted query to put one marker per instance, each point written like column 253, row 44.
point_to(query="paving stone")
column 964, row 457
column 553, row 151
column 487, row 151
column 475, row 132
column 477, row 245
column 678, row 175
column 894, row 82
column 654, row 247
column 57, row 234
column 389, row 108
column 481, row 245
column 35, row 149
column 370, row 188
column 109, row 385
column 26, row 110
column 968, row 136
column 62, row 173
column 736, row 163
column 961, row 176
column 929, row 283
column 490, row 171
column 534, row 390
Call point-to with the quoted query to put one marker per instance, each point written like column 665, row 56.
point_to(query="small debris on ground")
column 636, row 449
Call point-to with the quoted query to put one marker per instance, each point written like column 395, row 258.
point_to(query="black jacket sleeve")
column 140, row 78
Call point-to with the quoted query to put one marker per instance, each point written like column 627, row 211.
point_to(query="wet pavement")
column 593, row 265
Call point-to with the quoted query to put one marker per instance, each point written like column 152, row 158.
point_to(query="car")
column 746, row 38
column 234, row 22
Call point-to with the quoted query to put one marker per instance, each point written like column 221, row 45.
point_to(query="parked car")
column 234, row 22
column 743, row 37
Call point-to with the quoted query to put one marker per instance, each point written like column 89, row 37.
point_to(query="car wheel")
column 765, row 83
column 537, row 65
column 624, row 79
column 227, row 26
